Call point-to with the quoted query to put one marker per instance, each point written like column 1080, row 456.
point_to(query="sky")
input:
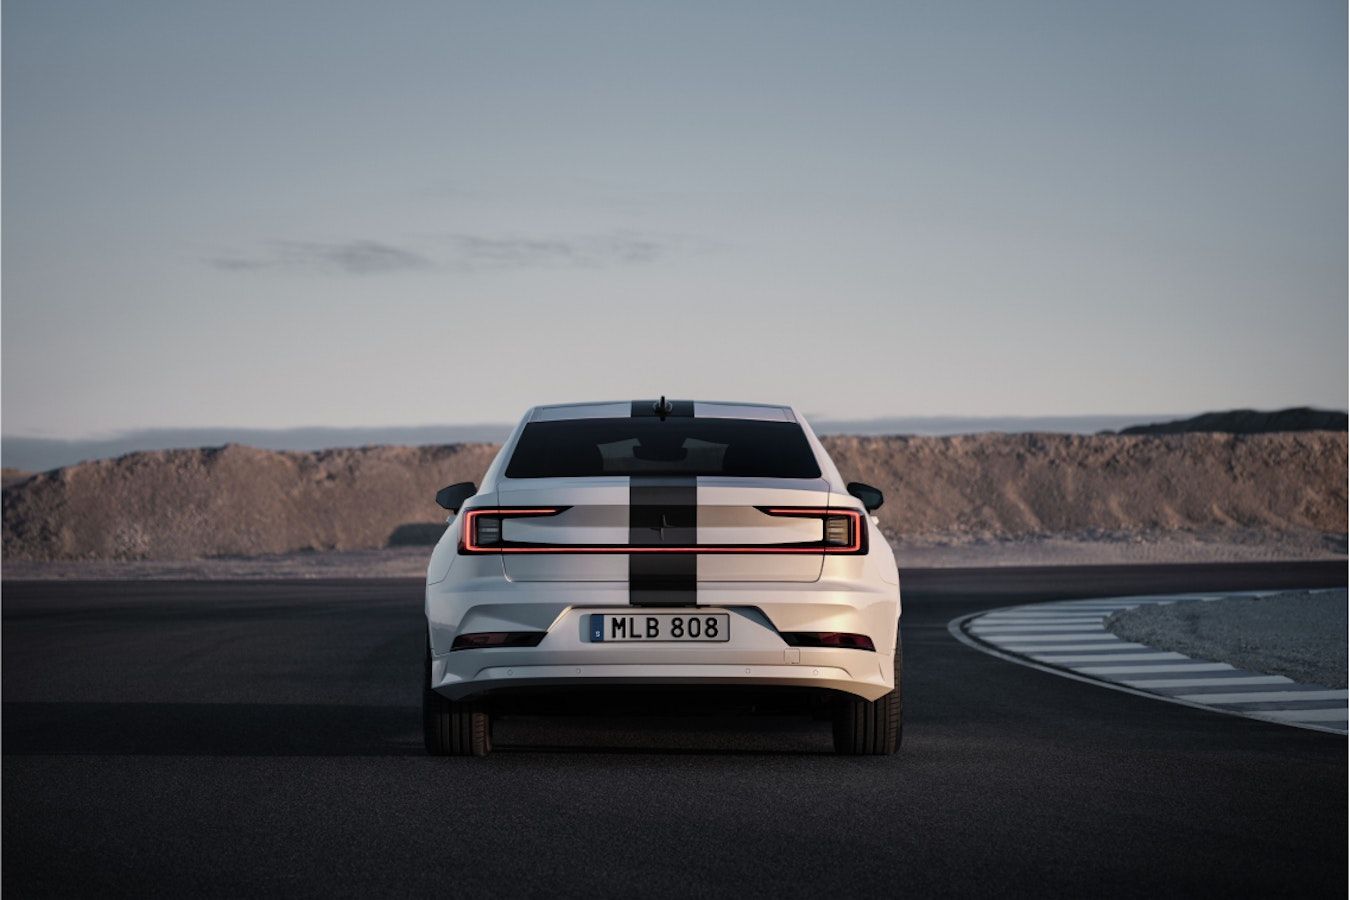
column 352, row 214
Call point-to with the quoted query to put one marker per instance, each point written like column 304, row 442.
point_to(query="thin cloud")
column 587, row 251
column 469, row 253
column 346, row 257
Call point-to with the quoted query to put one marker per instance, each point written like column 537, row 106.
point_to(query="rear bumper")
column 484, row 676
column 756, row 655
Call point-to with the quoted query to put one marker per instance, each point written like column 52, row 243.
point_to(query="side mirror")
column 453, row 497
column 871, row 497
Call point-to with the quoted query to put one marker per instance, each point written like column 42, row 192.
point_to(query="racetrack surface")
column 264, row 737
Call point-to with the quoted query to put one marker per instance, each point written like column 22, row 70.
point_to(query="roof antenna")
column 663, row 407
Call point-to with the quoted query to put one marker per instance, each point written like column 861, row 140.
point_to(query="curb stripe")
column 1265, row 696
column 1009, row 629
column 1168, row 667
column 1033, row 638
column 1309, row 715
column 1113, row 657
column 1069, row 638
column 1043, row 617
column 1034, row 621
column 1216, row 681
column 1103, row 647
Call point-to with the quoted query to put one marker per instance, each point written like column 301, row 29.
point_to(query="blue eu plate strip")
column 597, row 627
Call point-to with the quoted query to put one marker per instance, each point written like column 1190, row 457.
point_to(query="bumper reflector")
column 481, row 639
column 828, row 639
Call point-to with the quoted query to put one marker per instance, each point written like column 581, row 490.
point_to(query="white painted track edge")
column 956, row 628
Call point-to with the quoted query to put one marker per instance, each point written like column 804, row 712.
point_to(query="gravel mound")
column 1250, row 421
column 995, row 486
column 233, row 501
column 1300, row 634
column 242, row 501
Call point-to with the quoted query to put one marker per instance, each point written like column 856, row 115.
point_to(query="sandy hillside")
column 996, row 486
column 241, row 501
column 233, row 500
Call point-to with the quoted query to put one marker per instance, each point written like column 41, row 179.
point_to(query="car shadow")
column 280, row 730
column 638, row 734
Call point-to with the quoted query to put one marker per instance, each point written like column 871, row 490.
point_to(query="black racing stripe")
column 683, row 409
column 662, row 511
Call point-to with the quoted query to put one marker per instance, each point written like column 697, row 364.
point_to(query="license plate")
column 666, row 627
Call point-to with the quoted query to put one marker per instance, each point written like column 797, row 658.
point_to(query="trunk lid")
column 658, row 517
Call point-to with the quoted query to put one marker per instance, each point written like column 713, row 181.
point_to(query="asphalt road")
column 256, row 738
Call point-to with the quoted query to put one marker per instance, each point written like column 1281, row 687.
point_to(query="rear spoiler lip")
column 857, row 547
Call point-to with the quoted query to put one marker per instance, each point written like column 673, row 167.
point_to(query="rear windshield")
column 651, row 446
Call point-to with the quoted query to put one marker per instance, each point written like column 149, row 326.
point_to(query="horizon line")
column 817, row 422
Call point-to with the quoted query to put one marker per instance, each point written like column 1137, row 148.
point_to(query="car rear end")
column 641, row 544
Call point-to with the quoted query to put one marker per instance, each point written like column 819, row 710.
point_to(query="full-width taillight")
column 842, row 531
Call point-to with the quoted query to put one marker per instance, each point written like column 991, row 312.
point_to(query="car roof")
column 699, row 409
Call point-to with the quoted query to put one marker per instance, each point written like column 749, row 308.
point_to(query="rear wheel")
column 870, row 727
column 453, row 727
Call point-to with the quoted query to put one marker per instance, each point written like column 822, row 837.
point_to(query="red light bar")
column 857, row 535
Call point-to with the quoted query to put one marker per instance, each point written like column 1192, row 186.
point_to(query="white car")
column 649, row 546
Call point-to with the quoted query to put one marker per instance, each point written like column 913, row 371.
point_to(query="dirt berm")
column 241, row 501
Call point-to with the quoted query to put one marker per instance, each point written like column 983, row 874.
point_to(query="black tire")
column 871, row 727
column 453, row 728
